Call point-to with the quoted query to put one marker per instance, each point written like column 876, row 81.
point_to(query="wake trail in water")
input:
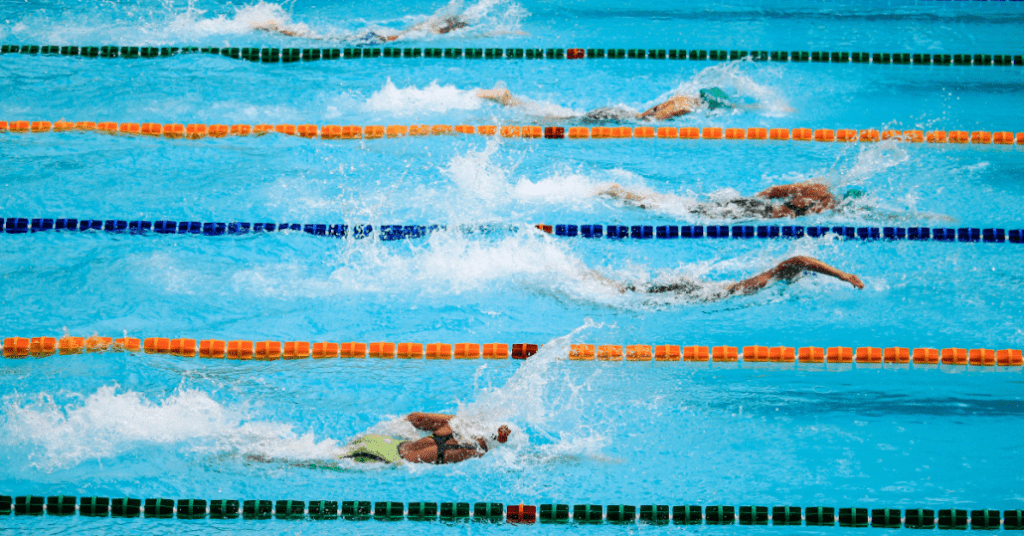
column 736, row 78
column 488, row 183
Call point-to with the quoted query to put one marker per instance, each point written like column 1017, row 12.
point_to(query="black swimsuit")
column 797, row 211
column 750, row 207
column 443, row 446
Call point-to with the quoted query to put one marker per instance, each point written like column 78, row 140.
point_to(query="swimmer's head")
column 854, row 193
column 503, row 433
column 452, row 23
column 715, row 98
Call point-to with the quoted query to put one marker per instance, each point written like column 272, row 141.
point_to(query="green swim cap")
column 715, row 98
column 854, row 193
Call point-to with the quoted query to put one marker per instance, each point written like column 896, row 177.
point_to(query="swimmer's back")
column 374, row 448
column 608, row 114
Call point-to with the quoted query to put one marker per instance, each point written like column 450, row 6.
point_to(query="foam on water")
column 113, row 421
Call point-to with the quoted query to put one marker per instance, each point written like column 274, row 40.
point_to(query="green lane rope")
column 819, row 516
column 292, row 55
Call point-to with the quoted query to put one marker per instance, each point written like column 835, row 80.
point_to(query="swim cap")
column 854, row 193
column 715, row 98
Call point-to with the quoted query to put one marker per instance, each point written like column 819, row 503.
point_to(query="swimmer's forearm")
column 792, row 267
column 503, row 97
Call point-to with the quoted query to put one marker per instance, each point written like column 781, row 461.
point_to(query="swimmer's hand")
column 853, row 280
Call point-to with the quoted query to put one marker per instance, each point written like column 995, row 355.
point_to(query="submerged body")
column 446, row 25
column 440, row 447
column 713, row 98
column 783, row 201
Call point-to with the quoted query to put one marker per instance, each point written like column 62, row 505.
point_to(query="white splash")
column 737, row 79
column 415, row 101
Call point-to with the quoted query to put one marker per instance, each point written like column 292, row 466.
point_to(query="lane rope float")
column 295, row 55
column 495, row 512
column 246, row 350
column 19, row 226
column 196, row 131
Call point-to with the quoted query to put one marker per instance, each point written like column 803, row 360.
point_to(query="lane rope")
column 196, row 131
column 246, row 350
column 19, row 226
column 295, row 55
column 662, row 514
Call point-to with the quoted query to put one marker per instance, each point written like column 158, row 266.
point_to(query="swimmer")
column 786, row 271
column 445, row 26
column 714, row 98
column 782, row 201
column 440, row 447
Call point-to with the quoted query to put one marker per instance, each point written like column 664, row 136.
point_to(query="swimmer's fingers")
column 855, row 281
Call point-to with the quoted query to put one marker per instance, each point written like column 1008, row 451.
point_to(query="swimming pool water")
column 602, row 433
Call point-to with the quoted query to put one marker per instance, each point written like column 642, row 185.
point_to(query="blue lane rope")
column 404, row 232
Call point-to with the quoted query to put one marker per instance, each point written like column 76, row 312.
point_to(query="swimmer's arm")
column 501, row 96
column 789, row 190
column 673, row 107
column 789, row 269
column 463, row 454
column 592, row 274
column 429, row 422
column 619, row 192
column 811, row 195
column 272, row 27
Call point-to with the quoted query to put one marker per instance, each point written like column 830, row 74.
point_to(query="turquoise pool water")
column 601, row 433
